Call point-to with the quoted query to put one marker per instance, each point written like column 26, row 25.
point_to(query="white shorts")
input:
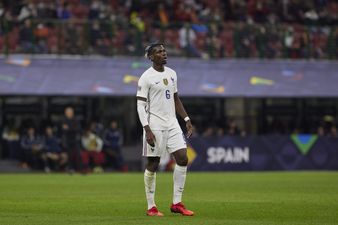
column 166, row 140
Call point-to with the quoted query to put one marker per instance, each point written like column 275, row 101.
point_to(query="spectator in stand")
column 95, row 33
column 333, row 132
column 41, row 35
column 319, row 41
column 92, row 155
column 73, row 38
column 232, row 128
column 32, row 146
column 273, row 45
column 2, row 10
column 94, row 10
column 137, row 21
column 53, row 154
column 64, row 11
column 27, row 37
column 226, row 37
column 220, row 132
column 46, row 10
column 163, row 15
column 97, row 128
column 71, row 137
column 239, row 10
column 245, row 41
column 11, row 138
column 187, row 38
column 209, row 132
column 79, row 10
column 27, row 11
column 186, row 12
column 113, row 140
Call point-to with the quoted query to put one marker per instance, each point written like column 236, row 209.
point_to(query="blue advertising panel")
column 296, row 152
column 118, row 76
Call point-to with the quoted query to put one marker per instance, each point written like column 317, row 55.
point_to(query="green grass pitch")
column 266, row 198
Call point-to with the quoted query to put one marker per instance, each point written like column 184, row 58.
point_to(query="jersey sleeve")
column 175, row 83
column 142, row 87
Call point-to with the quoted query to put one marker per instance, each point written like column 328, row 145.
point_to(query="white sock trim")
column 149, row 173
column 181, row 168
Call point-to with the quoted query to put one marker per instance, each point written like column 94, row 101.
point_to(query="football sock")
column 150, row 185
column 180, row 173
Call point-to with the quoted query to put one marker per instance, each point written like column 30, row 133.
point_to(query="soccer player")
column 157, row 104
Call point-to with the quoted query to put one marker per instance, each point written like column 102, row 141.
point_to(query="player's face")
column 159, row 55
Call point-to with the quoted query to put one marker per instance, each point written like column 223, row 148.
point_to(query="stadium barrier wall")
column 271, row 152
column 118, row 76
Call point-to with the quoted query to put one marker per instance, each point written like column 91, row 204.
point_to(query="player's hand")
column 189, row 128
column 150, row 137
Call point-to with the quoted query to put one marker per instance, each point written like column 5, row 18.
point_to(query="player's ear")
column 151, row 57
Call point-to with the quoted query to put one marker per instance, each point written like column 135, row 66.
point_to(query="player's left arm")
column 183, row 114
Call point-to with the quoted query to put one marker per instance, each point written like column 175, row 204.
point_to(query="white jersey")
column 159, row 88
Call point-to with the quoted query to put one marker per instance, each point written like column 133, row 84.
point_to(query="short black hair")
column 150, row 48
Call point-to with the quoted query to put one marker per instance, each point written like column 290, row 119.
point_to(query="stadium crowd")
column 197, row 28
column 65, row 146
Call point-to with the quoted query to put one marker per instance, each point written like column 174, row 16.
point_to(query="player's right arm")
column 142, row 94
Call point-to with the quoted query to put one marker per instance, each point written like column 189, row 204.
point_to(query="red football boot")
column 180, row 208
column 154, row 212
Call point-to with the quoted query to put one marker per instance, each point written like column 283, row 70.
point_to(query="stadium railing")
column 226, row 40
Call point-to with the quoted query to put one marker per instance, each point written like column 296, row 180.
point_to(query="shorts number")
column 167, row 94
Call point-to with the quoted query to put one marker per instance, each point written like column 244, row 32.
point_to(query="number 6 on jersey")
column 167, row 94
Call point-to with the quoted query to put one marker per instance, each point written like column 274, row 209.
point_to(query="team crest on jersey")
column 165, row 81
